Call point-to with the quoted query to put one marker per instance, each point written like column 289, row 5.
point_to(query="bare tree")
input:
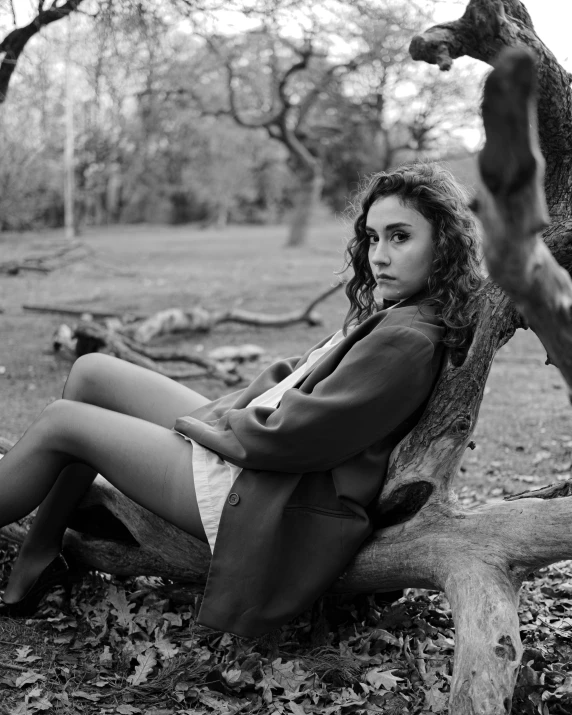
column 285, row 119
column 291, row 87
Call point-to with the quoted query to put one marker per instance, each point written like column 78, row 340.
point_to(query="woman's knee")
column 86, row 376
column 50, row 421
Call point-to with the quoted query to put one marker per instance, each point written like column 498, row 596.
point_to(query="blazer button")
column 233, row 499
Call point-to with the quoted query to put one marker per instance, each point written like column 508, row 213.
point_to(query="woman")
column 276, row 477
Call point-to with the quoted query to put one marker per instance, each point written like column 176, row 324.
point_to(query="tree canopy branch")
column 15, row 41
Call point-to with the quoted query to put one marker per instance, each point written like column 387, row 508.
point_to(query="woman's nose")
column 381, row 256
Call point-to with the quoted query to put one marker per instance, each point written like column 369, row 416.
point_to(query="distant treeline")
column 176, row 126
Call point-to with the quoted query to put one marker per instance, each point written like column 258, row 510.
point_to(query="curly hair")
column 455, row 275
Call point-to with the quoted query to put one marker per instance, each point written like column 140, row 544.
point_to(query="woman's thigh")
column 148, row 463
column 117, row 385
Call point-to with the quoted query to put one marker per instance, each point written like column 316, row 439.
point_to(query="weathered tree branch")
column 513, row 212
column 487, row 27
column 14, row 43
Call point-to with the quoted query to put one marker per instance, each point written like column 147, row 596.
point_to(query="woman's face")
column 401, row 248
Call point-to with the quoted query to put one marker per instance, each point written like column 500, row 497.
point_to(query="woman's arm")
column 380, row 382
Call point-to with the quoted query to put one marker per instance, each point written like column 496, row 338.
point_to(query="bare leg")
column 147, row 462
column 114, row 385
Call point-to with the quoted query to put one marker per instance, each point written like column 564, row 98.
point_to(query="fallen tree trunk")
column 480, row 556
column 144, row 328
column 128, row 340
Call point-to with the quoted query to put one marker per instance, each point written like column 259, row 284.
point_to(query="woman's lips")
column 384, row 277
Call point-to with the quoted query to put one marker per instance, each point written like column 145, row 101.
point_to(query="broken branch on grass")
column 143, row 328
column 93, row 337
column 46, row 262
column 199, row 319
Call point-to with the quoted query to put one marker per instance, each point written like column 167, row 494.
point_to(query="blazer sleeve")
column 378, row 384
column 268, row 378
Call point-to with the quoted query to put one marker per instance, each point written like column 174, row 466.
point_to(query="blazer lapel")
column 336, row 353
column 323, row 365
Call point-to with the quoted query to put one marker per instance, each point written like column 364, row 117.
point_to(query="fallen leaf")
column 94, row 697
column 166, row 648
column 382, row 678
column 28, row 678
column 39, row 704
column 121, row 606
column 146, row 662
column 386, row 636
column 436, row 699
column 237, row 677
column 296, row 709
column 173, row 618
column 63, row 640
column 289, row 675
column 22, row 653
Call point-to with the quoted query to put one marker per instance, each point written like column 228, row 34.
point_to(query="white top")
column 213, row 475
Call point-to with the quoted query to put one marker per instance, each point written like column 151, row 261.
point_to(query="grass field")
column 525, row 426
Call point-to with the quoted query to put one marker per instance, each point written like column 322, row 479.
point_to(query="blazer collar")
column 414, row 299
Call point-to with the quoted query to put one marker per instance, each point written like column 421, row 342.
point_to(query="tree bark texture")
column 478, row 556
column 487, row 27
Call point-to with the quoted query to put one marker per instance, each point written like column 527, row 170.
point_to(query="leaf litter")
column 121, row 646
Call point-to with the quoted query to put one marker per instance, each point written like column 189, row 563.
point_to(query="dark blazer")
column 296, row 514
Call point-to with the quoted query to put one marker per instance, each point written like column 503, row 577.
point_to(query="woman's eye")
column 373, row 237
column 399, row 236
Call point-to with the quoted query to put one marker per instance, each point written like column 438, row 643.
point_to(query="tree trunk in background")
column 221, row 215
column 69, row 148
column 307, row 199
